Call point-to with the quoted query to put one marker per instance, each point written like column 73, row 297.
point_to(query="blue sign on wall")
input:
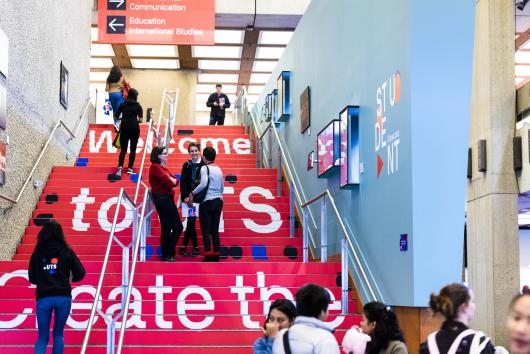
column 284, row 96
column 349, row 147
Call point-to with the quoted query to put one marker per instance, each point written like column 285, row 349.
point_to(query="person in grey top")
column 211, row 208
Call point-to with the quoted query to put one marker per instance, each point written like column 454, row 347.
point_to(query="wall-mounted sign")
column 328, row 148
column 2, row 164
column 268, row 108
column 3, row 108
column 305, row 110
column 284, row 96
column 274, row 104
column 349, row 147
column 310, row 160
column 156, row 21
column 63, row 91
column 4, row 54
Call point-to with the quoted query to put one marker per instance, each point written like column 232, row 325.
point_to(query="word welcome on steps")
column 239, row 146
column 168, row 299
column 104, row 219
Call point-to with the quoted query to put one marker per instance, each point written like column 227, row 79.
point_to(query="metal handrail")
column 57, row 125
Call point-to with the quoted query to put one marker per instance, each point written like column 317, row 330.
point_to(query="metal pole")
column 323, row 231
column 270, row 148
column 258, row 153
column 111, row 335
column 124, row 274
column 103, row 271
column 291, row 210
column 305, row 225
column 279, row 177
column 344, row 275
column 141, row 172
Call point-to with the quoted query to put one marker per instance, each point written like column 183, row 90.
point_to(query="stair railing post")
column 305, row 225
column 279, row 177
column 323, row 231
column 344, row 275
column 124, row 274
column 111, row 335
column 291, row 210
column 270, row 147
column 258, row 153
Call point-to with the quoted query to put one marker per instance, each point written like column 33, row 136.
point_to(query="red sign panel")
column 156, row 21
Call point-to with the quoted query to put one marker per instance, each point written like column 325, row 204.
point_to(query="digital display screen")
column 328, row 148
column 349, row 147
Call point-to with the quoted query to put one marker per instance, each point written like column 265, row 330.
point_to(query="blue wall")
column 348, row 49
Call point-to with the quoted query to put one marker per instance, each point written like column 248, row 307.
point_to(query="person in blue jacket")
column 281, row 315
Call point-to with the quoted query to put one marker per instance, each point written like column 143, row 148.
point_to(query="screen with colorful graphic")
column 328, row 147
column 2, row 164
column 349, row 147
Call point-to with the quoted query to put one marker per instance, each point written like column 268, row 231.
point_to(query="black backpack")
column 199, row 197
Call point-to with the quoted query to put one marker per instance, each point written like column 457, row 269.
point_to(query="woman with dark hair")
column 51, row 266
column 518, row 324
column 281, row 315
column 132, row 113
column 382, row 325
column 163, row 185
column 455, row 303
column 114, row 86
column 189, row 174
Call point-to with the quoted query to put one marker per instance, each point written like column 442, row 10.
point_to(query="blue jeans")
column 218, row 120
column 116, row 99
column 45, row 306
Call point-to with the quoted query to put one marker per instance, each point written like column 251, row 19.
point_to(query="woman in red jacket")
column 163, row 184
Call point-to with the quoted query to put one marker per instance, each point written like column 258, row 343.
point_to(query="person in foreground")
column 163, row 185
column 309, row 334
column 455, row 303
column 281, row 315
column 51, row 266
column 518, row 324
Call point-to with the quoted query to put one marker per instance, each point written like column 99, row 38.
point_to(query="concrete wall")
column 151, row 83
column 41, row 34
column 349, row 51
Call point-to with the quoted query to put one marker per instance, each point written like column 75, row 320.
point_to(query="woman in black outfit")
column 190, row 172
column 132, row 113
column 455, row 303
column 52, row 265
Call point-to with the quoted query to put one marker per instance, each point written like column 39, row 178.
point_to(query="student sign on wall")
column 156, row 21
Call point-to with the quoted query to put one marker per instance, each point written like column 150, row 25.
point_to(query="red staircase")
column 182, row 307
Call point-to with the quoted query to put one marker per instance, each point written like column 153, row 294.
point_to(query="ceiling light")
column 94, row 34
column 98, row 76
column 522, row 70
column 255, row 90
column 522, row 57
column 214, row 78
column 259, row 78
column 165, row 51
column 101, row 50
column 269, row 52
column 275, row 37
column 264, row 66
column 228, row 36
column 219, row 64
column 223, row 52
column 155, row 63
column 101, row 63
column 205, row 88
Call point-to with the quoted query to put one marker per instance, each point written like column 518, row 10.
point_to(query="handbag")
column 199, row 197
column 125, row 89
column 116, row 142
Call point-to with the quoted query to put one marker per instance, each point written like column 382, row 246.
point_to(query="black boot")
column 207, row 257
column 215, row 257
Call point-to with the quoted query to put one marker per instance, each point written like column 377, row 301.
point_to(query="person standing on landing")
column 132, row 112
column 211, row 208
column 190, row 172
column 218, row 102
column 52, row 266
column 163, row 185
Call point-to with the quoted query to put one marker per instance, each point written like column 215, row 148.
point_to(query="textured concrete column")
column 493, row 235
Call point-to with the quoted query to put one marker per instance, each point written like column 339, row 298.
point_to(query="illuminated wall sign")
column 349, row 147
column 156, row 21
column 284, row 96
column 4, row 53
column 328, row 148
column 274, row 104
column 268, row 108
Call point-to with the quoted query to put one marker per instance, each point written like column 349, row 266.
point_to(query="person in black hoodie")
column 132, row 112
column 190, row 172
column 218, row 102
column 455, row 303
column 52, row 264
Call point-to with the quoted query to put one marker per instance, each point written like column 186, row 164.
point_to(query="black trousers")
column 218, row 120
column 190, row 233
column 170, row 223
column 209, row 217
column 128, row 134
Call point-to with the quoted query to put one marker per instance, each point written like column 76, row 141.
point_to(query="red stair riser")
column 88, row 170
column 135, row 350
column 271, row 185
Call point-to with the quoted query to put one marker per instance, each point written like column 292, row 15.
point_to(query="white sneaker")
column 130, row 171
column 118, row 173
column 117, row 123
